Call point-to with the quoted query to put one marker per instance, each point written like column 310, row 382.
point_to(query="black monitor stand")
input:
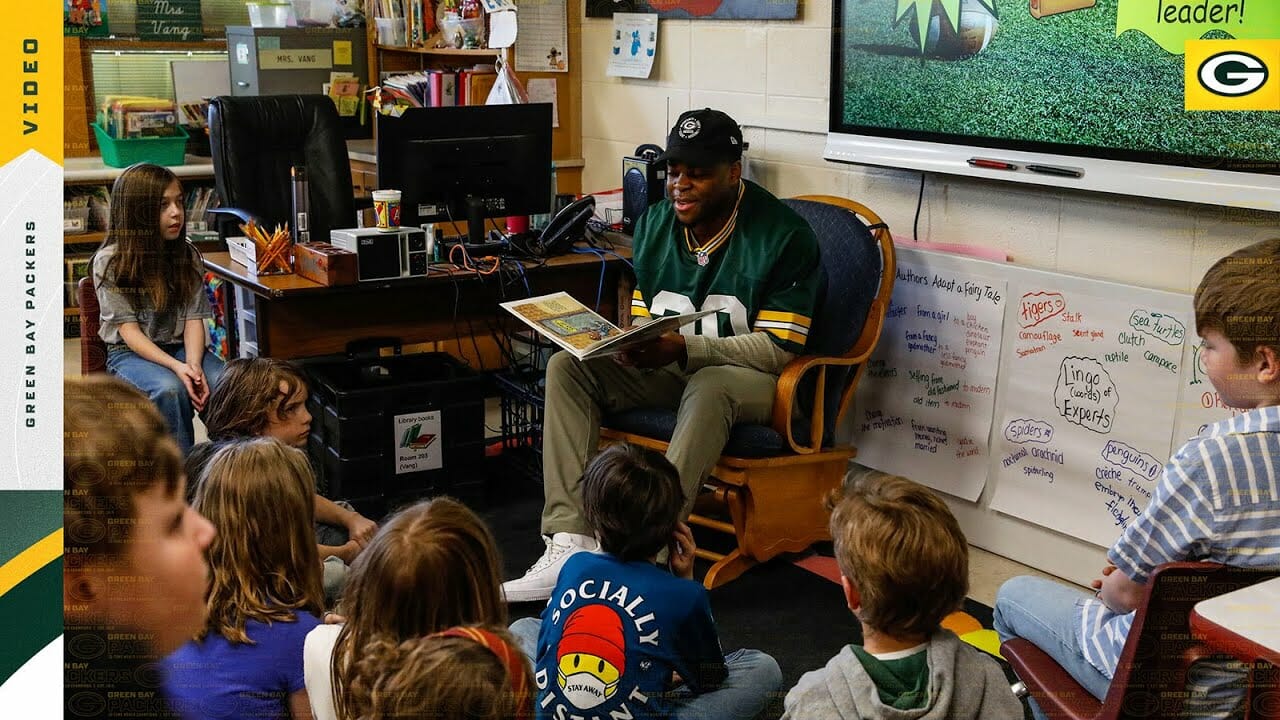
column 475, row 220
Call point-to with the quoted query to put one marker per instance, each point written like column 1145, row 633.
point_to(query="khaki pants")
column 707, row 403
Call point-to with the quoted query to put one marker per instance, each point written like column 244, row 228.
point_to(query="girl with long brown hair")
column 432, row 566
column 265, row 595
column 151, row 294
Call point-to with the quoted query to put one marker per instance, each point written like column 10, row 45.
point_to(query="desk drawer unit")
column 246, row 321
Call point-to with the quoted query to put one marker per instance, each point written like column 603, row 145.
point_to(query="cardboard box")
column 1041, row 8
column 324, row 263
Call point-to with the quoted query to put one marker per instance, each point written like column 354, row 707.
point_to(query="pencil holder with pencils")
column 273, row 251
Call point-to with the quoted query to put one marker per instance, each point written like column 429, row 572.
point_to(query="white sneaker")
column 540, row 579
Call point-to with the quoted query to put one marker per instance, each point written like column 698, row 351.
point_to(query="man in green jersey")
column 717, row 242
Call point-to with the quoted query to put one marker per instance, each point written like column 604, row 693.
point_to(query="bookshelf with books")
column 474, row 83
column 78, row 103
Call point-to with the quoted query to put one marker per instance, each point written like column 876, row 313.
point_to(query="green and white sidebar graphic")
column 31, row 603
column 31, row 343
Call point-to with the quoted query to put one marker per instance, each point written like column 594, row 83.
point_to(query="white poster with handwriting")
column 1087, row 388
column 925, row 403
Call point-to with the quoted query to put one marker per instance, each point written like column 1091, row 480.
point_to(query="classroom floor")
column 986, row 570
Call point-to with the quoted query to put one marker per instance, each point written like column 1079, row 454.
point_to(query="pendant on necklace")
column 702, row 259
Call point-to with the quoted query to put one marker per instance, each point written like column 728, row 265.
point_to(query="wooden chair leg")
column 727, row 568
column 776, row 510
column 783, row 511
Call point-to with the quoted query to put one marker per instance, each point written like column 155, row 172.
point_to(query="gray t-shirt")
column 159, row 327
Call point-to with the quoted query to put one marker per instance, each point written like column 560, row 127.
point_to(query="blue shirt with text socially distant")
column 612, row 635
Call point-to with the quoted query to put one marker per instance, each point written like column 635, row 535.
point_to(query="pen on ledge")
column 1059, row 171
column 991, row 164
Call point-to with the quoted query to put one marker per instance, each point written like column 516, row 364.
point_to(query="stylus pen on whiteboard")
column 990, row 164
column 1059, row 171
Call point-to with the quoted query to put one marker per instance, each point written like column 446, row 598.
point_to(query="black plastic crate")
column 351, row 435
column 363, row 386
column 315, row 409
column 361, row 434
column 348, row 477
column 521, row 403
column 382, row 424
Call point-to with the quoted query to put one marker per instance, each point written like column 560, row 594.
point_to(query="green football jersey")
column 764, row 277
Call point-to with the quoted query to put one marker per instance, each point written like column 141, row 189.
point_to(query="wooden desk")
column 1245, row 624
column 298, row 318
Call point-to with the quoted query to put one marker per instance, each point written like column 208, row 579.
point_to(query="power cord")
column 604, row 264
column 915, row 226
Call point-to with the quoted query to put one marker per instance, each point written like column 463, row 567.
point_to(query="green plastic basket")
column 159, row 150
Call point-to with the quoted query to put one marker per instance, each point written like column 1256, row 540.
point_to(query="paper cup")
column 386, row 207
column 518, row 224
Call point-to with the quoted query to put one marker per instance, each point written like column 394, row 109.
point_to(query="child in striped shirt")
column 1217, row 500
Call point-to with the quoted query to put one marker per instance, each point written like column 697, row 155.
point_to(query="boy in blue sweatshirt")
column 622, row 637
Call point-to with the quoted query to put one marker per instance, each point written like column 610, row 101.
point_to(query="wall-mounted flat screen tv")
column 1088, row 94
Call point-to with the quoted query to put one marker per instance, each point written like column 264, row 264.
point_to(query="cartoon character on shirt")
column 591, row 656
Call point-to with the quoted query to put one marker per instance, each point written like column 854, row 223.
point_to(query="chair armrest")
column 784, row 401
column 785, row 396
column 794, row 372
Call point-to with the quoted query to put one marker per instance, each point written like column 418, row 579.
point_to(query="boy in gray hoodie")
column 904, row 566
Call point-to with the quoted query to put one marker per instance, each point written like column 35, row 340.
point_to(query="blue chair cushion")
column 748, row 441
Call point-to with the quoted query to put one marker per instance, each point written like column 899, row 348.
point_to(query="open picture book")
column 576, row 328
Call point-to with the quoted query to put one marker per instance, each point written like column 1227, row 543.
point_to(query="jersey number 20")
column 667, row 302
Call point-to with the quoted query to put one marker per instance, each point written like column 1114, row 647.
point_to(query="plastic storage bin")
column 521, row 403
column 397, row 427
column 157, row 150
column 521, row 390
column 75, row 221
column 271, row 15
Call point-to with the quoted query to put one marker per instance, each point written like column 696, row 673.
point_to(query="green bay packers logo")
column 690, row 128
column 1232, row 74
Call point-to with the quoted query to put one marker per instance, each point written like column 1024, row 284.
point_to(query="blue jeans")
column 754, row 678
column 1044, row 612
column 163, row 386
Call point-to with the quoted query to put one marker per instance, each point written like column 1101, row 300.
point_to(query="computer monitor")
column 467, row 163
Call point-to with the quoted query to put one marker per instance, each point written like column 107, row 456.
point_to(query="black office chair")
column 255, row 140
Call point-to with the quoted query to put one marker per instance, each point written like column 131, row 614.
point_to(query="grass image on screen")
column 996, row 76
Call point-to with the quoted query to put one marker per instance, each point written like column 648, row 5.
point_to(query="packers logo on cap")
column 690, row 128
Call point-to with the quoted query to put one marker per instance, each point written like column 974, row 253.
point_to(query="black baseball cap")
column 703, row 138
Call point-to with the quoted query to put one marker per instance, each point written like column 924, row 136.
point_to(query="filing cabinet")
column 287, row 61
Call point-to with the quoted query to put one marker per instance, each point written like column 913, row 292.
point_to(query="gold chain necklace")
column 703, row 251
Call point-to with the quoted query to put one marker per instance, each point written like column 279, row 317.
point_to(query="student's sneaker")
column 540, row 579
